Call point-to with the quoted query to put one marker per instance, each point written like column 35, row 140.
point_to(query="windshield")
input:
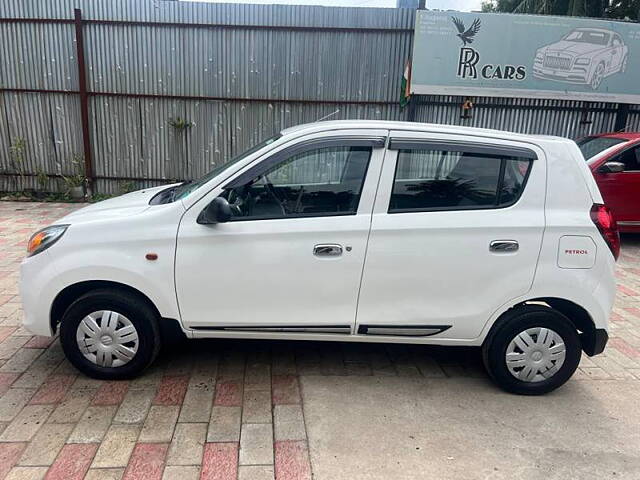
column 591, row 146
column 186, row 188
column 588, row 36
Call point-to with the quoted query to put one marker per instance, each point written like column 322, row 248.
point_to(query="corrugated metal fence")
column 238, row 73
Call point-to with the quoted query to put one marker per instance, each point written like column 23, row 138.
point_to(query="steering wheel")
column 272, row 191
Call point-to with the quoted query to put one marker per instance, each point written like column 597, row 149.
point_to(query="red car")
column 614, row 160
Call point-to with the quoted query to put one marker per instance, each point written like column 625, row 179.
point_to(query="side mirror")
column 218, row 211
column 612, row 167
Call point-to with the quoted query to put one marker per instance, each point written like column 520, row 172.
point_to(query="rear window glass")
column 454, row 180
column 591, row 146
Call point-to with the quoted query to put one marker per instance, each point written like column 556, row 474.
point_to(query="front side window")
column 318, row 182
column 434, row 179
column 630, row 158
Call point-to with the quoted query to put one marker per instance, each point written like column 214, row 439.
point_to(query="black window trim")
column 338, row 141
column 495, row 206
column 466, row 147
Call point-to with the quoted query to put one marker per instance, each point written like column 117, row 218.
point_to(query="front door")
column 621, row 191
column 291, row 257
column 456, row 232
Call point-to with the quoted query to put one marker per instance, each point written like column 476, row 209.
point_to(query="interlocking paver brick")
column 53, row 390
column 72, row 408
column 12, row 401
column 285, row 389
column 256, row 444
column 9, row 455
column 228, row 394
column 116, row 447
column 255, row 472
column 25, row 425
column 93, row 425
column 224, row 425
column 27, row 473
column 146, row 462
column 220, row 461
column 187, row 444
column 110, row 393
column 135, row 406
column 46, row 444
column 104, row 474
column 288, row 422
column 256, row 407
column 197, row 403
column 159, row 425
column 21, row 360
column 171, row 390
column 72, row 462
column 6, row 379
column 181, row 472
column 292, row 461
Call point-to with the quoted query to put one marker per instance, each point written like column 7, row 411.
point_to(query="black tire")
column 137, row 310
column 513, row 323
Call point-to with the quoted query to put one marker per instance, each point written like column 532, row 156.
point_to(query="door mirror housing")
column 612, row 167
column 218, row 211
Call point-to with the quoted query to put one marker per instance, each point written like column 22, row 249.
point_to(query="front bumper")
column 576, row 75
column 36, row 293
column 593, row 342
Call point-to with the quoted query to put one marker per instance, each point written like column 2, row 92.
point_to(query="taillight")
column 603, row 218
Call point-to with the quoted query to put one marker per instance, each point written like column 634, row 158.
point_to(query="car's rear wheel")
column 110, row 334
column 533, row 350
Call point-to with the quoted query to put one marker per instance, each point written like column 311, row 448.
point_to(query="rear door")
column 621, row 191
column 456, row 232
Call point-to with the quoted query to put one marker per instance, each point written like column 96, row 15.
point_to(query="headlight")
column 43, row 239
column 583, row 61
column 539, row 55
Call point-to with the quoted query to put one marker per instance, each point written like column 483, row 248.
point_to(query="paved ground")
column 254, row 410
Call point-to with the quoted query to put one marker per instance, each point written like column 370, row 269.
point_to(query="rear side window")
column 436, row 179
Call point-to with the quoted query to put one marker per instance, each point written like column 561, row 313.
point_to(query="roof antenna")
column 327, row 116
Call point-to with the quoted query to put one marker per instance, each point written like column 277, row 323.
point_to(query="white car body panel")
column 261, row 272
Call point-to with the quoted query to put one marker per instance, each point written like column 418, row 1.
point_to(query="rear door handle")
column 327, row 250
column 504, row 246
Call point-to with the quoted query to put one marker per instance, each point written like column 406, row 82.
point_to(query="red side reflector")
column 603, row 219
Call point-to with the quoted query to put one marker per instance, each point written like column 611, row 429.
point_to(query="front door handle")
column 327, row 250
column 504, row 246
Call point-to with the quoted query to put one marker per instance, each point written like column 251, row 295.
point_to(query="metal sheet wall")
column 132, row 138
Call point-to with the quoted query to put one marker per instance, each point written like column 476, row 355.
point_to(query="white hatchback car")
column 363, row 231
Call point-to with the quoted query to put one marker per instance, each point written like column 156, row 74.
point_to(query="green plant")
column 17, row 155
column 42, row 178
column 180, row 124
column 77, row 178
column 127, row 187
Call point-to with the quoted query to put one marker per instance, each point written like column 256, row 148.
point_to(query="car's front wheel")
column 534, row 350
column 110, row 334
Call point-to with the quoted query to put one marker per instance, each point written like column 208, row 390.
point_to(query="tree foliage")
column 619, row 9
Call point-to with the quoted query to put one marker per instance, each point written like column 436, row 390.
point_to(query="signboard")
column 504, row 55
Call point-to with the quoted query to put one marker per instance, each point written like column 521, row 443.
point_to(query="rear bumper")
column 593, row 342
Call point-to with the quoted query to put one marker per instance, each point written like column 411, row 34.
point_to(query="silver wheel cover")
column 107, row 338
column 535, row 354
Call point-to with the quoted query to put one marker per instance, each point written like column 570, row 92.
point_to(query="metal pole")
column 621, row 117
column 84, row 98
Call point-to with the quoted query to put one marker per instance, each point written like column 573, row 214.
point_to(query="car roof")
column 620, row 135
column 587, row 29
column 413, row 126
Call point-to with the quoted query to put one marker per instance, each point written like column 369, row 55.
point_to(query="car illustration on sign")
column 583, row 56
